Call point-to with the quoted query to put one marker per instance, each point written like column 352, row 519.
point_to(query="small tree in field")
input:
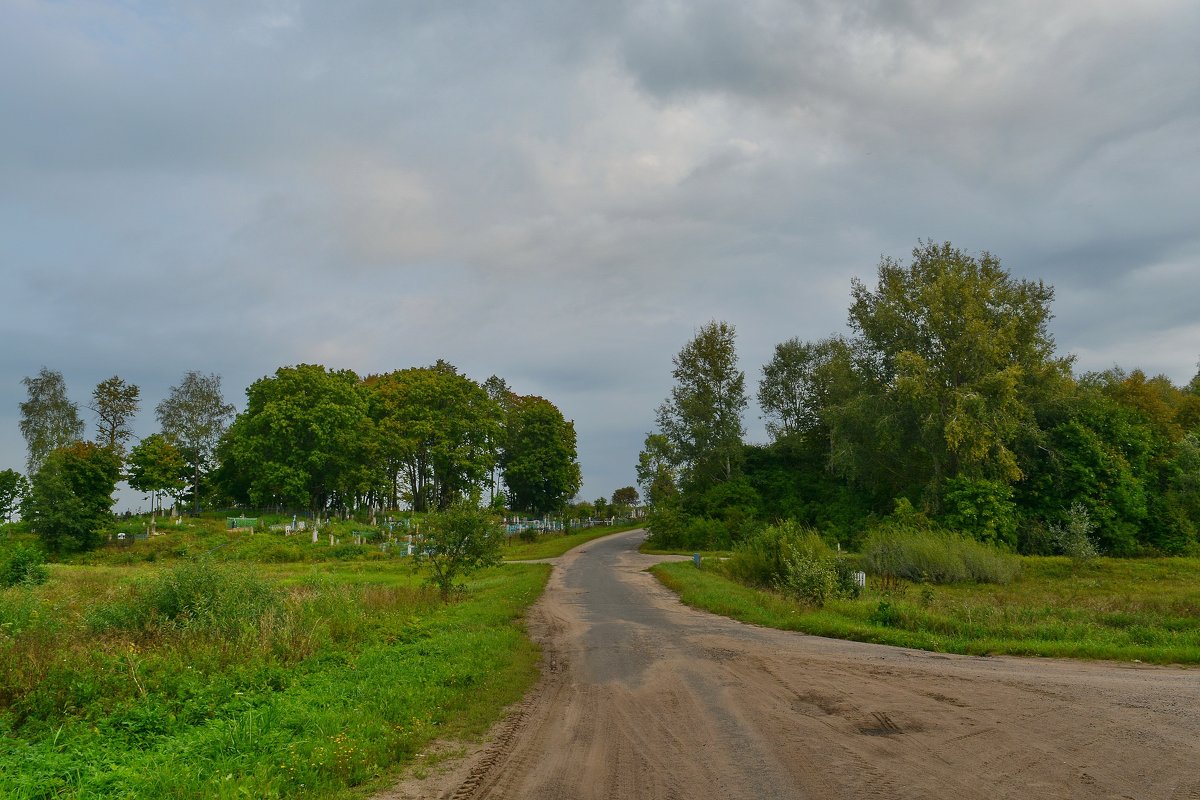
column 457, row 542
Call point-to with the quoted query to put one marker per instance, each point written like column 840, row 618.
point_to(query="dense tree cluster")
column 948, row 398
column 310, row 438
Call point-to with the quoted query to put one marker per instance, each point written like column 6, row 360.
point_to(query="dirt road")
column 642, row 697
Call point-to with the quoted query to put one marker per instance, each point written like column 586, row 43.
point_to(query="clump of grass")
column 204, row 594
column 935, row 557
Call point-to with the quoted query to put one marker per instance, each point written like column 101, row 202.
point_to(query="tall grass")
column 212, row 680
column 935, row 557
column 1137, row 609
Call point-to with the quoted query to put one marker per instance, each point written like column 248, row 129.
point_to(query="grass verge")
column 554, row 545
column 1128, row 610
column 349, row 672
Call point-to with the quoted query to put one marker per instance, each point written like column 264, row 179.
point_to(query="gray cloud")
column 561, row 193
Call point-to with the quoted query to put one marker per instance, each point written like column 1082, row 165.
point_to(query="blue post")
column 696, row 560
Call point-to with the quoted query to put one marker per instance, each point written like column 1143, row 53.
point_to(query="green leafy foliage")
column 114, row 402
column 301, row 442
column 70, row 497
column 702, row 418
column 436, row 434
column 22, row 564
column 49, row 420
column 193, row 416
column 457, row 542
column 13, row 488
column 539, row 461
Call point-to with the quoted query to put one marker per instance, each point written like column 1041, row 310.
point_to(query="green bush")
column 794, row 560
column 22, row 564
column 672, row 529
column 934, row 556
column 1073, row 539
column 759, row 560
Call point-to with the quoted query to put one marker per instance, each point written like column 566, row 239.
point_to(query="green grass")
column 1130, row 610
column 340, row 676
column 553, row 545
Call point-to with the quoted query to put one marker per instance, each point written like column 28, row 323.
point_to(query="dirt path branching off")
column 642, row 697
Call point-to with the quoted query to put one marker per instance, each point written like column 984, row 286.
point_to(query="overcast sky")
column 562, row 193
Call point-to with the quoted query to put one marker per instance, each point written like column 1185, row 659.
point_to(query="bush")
column 934, row 556
column 22, row 564
column 793, row 559
column 672, row 529
column 1074, row 538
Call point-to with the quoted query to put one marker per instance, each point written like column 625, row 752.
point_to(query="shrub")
column 808, row 577
column 758, row 560
column 22, row 564
column 934, row 556
column 1073, row 539
column 793, row 559
column 673, row 529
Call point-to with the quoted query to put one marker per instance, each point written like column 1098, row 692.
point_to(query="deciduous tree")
column 114, row 403
column 540, row 463
column 436, row 433
column 702, row 419
column 194, row 415
column 302, row 440
column 950, row 348
column 13, row 488
column 70, row 499
column 48, row 419
column 157, row 466
column 458, row 541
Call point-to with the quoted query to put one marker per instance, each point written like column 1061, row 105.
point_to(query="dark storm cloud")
column 561, row 193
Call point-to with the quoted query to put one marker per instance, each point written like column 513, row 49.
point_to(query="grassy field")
column 196, row 678
column 553, row 545
column 1132, row 610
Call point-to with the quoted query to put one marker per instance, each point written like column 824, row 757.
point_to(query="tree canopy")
column 539, row 461
column 49, row 420
column 702, row 417
column 947, row 399
column 194, row 415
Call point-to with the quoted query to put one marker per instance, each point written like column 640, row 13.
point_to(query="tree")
column 625, row 496
column 656, row 472
column 952, row 352
column 48, row 419
column 800, row 382
column 702, row 419
column 194, row 416
column 301, row 442
column 114, row 404
column 436, row 433
column 458, row 541
column 157, row 466
column 70, row 499
column 539, row 461
column 13, row 487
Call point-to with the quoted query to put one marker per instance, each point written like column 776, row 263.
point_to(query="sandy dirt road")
column 642, row 697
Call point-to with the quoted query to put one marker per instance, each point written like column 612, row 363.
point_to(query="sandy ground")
column 642, row 697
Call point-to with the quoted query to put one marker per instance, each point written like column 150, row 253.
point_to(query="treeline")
column 310, row 439
column 947, row 406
